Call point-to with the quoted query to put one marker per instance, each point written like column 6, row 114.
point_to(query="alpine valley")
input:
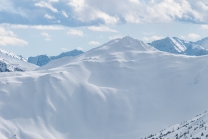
column 124, row 89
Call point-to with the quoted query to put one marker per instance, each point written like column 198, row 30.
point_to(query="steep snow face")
column 178, row 46
column 42, row 60
column 39, row 60
column 169, row 44
column 196, row 128
column 14, row 61
column 10, row 54
column 203, row 43
column 124, row 89
column 7, row 67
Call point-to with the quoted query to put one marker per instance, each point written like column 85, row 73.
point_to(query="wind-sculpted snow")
column 124, row 89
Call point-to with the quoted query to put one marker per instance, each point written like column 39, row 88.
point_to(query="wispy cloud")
column 47, row 16
column 115, row 37
column 101, row 29
column 94, row 43
column 44, row 4
column 191, row 37
column 39, row 27
column 75, row 32
column 152, row 38
column 46, row 36
column 204, row 27
column 64, row 14
column 9, row 38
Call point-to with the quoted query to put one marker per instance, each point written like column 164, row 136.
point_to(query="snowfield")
column 124, row 89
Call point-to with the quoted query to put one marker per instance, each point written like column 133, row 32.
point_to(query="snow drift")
column 122, row 89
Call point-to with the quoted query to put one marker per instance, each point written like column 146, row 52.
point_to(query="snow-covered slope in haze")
column 124, row 89
column 196, row 128
column 39, row 60
column 15, row 61
column 203, row 42
column 72, row 53
column 42, row 60
column 169, row 44
column 178, row 46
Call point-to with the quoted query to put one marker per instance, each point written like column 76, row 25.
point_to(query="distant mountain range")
column 42, row 60
column 173, row 45
column 178, row 46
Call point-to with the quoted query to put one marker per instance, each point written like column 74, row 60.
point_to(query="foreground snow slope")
column 124, row 89
column 195, row 128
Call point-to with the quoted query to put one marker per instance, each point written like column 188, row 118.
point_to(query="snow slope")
column 124, row 89
column 10, row 54
column 42, row 60
column 178, row 46
column 7, row 67
column 195, row 128
column 203, row 42
column 14, row 61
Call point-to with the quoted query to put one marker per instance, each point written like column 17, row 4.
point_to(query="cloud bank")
column 108, row 12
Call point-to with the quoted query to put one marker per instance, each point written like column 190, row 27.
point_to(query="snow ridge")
column 42, row 60
column 13, row 55
column 5, row 66
column 179, row 46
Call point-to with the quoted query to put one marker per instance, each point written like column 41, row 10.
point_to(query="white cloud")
column 78, row 5
column 204, row 27
column 75, row 32
column 46, row 36
column 191, row 37
column 152, row 38
column 80, row 48
column 87, row 13
column 64, row 49
column 46, row 5
column 9, row 38
column 115, row 37
column 47, row 16
column 93, row 43
column 134, row 11
column 64, row 14
column 53, row 1
column 39, row 27
column 101, row 29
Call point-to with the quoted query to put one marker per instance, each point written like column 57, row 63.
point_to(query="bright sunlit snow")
column 124, row 89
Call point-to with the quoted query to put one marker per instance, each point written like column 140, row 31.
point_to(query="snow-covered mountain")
column 178, row 46
column 11, row 62
column 124, row 89
column 5, row 66
column 10, row 54
column 39, row 60
column 203, row 42
column 195, row 128
column 42, row 60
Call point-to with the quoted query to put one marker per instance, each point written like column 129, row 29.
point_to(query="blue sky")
column 34, row 27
